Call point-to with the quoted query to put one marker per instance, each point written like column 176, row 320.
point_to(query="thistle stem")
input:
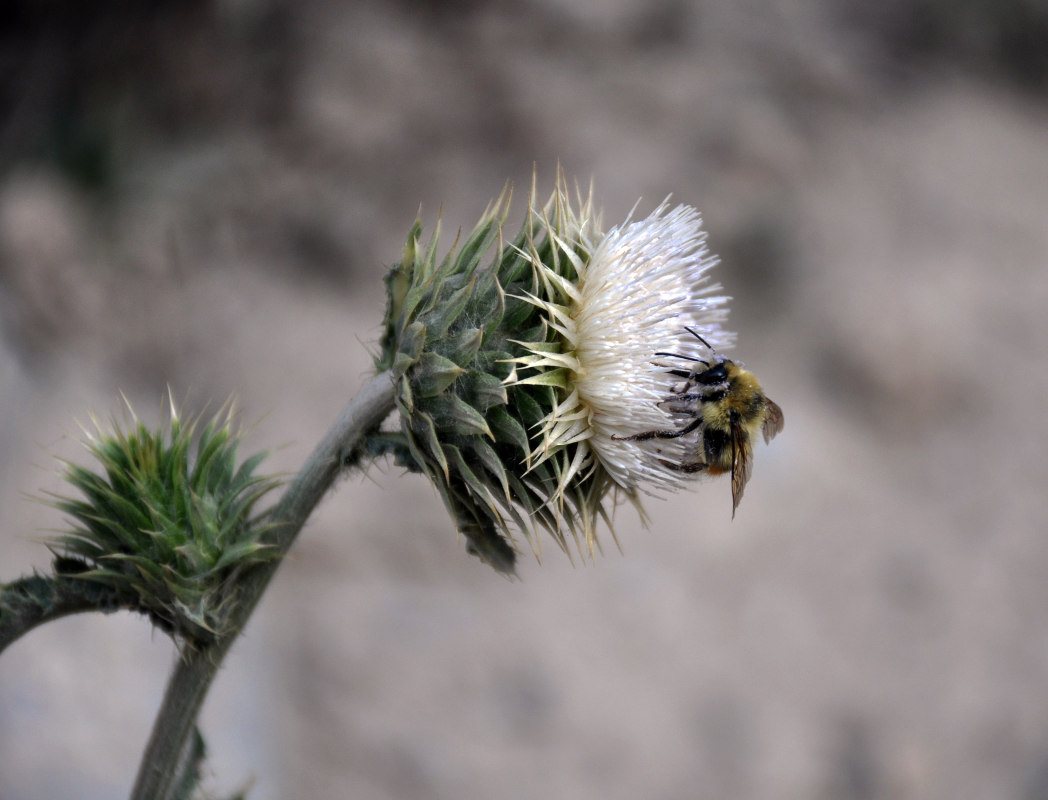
column 161, row 766
column 36, row 599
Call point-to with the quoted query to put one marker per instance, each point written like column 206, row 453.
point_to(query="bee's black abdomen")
column 714, row 442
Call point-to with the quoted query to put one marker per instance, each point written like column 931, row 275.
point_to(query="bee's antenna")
column 681, row 355
column 691, row 358
column 693, row 333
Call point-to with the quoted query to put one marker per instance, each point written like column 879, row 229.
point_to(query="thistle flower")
column 644, row 285
column 520, row 365
column 167, row 522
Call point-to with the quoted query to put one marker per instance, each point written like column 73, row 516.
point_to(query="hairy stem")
column 36, row 599
column 187, row 687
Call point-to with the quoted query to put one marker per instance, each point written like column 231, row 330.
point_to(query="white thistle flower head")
column 645, row 283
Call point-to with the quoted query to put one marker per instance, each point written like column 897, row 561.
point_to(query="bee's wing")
column 773, row 420
column 741, row 464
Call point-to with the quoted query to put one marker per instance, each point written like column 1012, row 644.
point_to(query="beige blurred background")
column 206, row 194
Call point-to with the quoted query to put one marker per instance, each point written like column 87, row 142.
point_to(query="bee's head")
column 715, row 370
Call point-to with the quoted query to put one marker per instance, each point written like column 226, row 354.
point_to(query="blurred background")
column 205, row 195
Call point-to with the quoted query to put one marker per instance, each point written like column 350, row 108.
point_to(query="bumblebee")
column 727, row 406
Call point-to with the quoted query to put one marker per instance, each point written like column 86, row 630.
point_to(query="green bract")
column 166, row 522
column 455, row 330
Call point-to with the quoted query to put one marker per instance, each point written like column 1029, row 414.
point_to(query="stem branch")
column 159, row 770
column 36, row 599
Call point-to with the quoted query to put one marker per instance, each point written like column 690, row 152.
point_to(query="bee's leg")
column 684, row 466
column 641, row 437
column 688, row 466
column 682, row 403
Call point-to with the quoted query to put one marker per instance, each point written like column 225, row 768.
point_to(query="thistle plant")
column 522, row 364
column 541, row 376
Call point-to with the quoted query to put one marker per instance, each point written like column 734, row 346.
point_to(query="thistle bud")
column 167, row 521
